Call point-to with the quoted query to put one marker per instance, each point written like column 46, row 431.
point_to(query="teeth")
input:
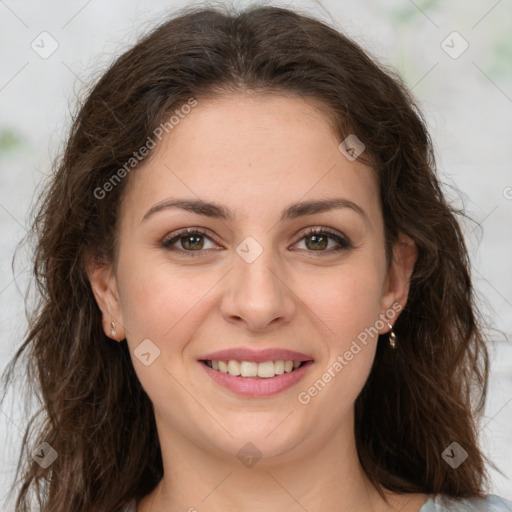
column 264, row 370
column 234, row 368
column 247, row 368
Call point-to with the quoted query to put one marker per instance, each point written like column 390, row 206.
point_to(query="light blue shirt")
column 491, row 503
column 440, row 503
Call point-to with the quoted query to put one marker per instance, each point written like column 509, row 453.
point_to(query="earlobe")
column 405, row 254
column 104, row 288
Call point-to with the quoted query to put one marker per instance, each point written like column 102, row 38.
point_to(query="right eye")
column 190, row 239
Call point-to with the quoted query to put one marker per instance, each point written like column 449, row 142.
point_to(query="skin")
column 254, row 154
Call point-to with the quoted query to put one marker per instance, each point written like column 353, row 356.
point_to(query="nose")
column 257, row 296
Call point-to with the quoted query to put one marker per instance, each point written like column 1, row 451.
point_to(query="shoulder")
column 491, row 503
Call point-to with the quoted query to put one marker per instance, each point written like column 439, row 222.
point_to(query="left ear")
column 396, row 286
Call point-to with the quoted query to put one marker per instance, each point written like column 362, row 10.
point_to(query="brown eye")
column 191, row 242
column 317, row 240
column 187, row 241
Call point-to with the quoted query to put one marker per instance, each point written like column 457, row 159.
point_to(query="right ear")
column 104, row 287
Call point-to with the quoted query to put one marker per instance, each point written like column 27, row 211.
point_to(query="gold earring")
column 392, row 336
column 112, row 328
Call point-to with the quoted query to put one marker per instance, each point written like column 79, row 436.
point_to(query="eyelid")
column 321, row 229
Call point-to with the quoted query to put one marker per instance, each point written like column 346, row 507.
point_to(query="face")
column 255, row 278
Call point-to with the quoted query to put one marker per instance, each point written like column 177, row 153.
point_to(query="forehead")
column 254, row 153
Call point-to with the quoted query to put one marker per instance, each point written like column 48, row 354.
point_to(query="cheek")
column 346, row 300
column 158, row 301
column 348, row 304
column 162, row 304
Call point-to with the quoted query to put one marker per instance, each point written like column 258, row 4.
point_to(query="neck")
column 311, row 476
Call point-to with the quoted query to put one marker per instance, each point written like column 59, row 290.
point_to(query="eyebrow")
column 218, row 211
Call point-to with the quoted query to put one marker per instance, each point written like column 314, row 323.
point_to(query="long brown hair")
column 418, row 399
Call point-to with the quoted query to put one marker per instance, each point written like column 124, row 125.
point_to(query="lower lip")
column 249, row 387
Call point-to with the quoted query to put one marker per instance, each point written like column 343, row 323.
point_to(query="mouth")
column 254, row 370
column 251, row 379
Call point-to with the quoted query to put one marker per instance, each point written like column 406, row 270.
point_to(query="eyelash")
column 344, row 243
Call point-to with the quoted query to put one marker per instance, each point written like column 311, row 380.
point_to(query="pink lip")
column 257, row 356
column 251, row 387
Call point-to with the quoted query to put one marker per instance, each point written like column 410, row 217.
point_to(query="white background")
column 467, row 101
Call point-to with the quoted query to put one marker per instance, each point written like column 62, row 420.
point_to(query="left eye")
column 316, row 240
column 319, row 241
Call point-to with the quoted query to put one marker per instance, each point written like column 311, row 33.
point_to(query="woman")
column 255, row 296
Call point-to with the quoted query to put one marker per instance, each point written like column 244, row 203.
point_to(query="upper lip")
column 257, row 356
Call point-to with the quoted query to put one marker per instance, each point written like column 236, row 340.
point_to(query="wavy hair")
column 94, row 413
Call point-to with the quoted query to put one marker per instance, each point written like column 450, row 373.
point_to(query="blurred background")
column 455, row 56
